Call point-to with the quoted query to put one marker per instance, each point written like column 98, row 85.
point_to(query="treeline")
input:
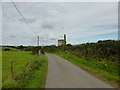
column 101, row 51
column 34, row 49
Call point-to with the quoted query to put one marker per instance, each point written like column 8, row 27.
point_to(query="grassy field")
column 103, row 70
column 29, row 70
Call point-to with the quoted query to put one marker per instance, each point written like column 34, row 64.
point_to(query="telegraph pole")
column 38, row 41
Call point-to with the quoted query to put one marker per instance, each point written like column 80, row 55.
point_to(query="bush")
column 42, row 52
column 6, row 49
column 35, row 50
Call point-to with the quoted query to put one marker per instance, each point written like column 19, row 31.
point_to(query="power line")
column 22, row 16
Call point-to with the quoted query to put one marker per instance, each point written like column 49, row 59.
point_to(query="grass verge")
column 29, row 70
column 104, row 70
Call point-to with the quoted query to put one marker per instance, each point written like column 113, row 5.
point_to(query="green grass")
column 105, row 70
column 29, row 70
column 39, row 76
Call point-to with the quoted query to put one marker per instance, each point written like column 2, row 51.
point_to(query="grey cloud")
column 29, row 20
column 62, row 27
column 12, row 36
column 47, row 26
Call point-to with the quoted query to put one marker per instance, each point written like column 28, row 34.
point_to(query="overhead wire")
column 25, row 21
column 23, row 17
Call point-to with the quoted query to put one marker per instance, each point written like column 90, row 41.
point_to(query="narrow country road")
column 63, row 74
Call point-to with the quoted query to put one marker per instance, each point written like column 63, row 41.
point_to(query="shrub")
column 6, row 49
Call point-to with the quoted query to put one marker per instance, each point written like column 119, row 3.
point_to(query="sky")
column 82, row 22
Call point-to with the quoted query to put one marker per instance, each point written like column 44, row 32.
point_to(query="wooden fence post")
column 11, row 69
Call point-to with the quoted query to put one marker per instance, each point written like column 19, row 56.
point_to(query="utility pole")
column 38, row 41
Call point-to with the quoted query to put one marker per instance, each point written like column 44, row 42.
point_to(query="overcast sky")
column 81, row 22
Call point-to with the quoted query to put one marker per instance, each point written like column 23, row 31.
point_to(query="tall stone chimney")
column 65, row 38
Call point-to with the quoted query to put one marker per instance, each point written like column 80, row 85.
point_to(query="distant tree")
column 68, row 45
column 6, row 49
column 20, row 47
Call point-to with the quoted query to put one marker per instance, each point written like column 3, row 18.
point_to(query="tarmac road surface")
column 63, row 74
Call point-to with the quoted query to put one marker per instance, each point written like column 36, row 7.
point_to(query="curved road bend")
column 63, row 74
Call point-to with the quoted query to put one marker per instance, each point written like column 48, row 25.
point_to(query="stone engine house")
column 62, row 41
